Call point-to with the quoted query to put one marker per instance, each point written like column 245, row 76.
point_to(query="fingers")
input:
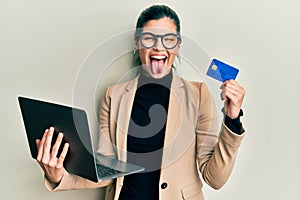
column 55, row 149
column 232, row 90
column 47, row 146
column 40, row 146
column 47, row 157
column 62, row 156
column 233, row 94
column 54, row 161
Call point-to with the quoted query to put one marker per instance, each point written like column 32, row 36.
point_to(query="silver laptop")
column 81, row 158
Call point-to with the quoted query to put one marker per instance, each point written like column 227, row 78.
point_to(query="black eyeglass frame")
column 139, row 36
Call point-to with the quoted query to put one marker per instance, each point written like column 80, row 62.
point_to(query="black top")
column 146, row 134
column 145, row 139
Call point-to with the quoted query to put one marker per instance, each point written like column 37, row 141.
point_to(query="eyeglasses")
column 169, row 40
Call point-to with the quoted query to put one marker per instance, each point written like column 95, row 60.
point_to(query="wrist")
column 233, row 116
column 235, row 124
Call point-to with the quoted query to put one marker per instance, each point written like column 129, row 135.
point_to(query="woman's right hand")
column 47, row 158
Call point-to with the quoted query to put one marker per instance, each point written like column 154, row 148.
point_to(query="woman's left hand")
column 233, row 94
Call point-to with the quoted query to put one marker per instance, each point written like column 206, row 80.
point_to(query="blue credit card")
column 221, row 71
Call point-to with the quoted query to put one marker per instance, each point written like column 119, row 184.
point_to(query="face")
column 157, row 61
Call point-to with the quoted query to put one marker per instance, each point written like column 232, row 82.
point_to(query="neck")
column 165, row 80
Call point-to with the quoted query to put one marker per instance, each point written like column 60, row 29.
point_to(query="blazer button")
column 164, row 185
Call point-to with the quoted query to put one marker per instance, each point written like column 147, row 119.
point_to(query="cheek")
column 172, row 55
column 171, row 58
column 143, row 53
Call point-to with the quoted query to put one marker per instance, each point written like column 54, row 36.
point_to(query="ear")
column 178, row 47
column 136, row 43
column 179, row 43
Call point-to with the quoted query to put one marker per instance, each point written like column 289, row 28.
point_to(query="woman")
column 175, row 142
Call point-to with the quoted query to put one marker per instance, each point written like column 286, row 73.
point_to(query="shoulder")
column 122, row 87
column 199, row 88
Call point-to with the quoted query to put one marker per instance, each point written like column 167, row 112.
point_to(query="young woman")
column 160, row 121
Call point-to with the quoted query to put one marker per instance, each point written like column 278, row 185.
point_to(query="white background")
column 43, row 44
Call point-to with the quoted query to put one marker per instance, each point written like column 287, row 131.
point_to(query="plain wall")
column 44, row 43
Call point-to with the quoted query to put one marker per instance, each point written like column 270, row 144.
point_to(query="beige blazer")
column 193, row 144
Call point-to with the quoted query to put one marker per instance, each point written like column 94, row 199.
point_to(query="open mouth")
column 158, row 62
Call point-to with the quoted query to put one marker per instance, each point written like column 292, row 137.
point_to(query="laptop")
column 81, row 158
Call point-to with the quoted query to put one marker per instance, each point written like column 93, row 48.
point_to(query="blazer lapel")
column 173, row 119
column 123, row 119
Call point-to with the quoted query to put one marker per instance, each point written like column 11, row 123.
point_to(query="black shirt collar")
column 165, row 81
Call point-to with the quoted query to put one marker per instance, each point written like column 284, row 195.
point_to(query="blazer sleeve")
column 73, row 182
column 216, row 152
column 107, row 140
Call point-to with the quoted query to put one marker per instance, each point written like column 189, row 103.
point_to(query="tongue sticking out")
column 157, row 66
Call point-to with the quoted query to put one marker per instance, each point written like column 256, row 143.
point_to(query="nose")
column 158, row 45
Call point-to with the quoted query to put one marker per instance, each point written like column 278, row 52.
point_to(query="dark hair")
column 156, row 12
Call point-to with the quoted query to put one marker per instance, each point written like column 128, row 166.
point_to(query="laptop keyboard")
column 103, row 170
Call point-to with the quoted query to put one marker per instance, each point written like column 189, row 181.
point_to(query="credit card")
column 221, row 71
